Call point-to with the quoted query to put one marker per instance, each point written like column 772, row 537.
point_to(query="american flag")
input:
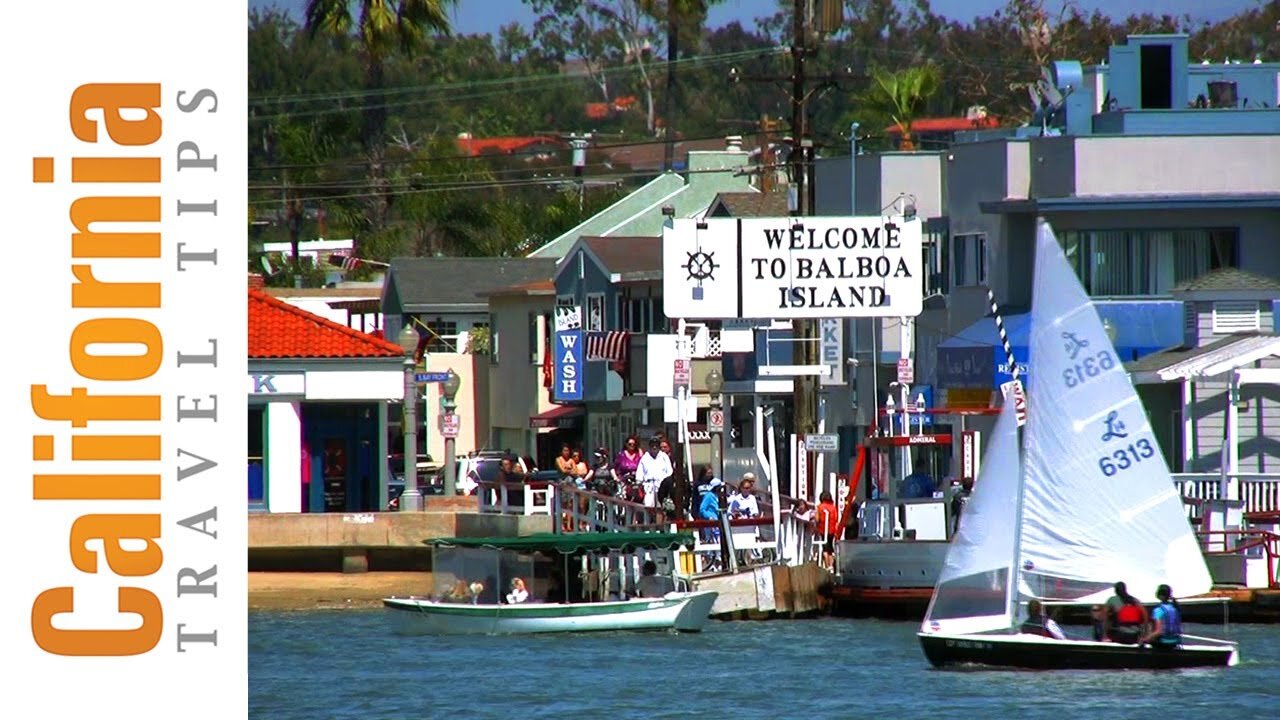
column 611, row 346
column 345, row 262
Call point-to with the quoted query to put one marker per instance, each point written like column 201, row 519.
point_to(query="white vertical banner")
column 125, row 445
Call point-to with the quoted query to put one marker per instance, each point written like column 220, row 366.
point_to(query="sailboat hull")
column 1032, row 652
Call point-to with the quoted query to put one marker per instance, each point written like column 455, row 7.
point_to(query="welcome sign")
column 793, row 267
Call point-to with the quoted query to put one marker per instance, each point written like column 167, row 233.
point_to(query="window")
column 641, row 314
column 442, row 336
column 493, row 338
column 969, row 259
column 595, row 312
column 539, row 336
column 1146, row 262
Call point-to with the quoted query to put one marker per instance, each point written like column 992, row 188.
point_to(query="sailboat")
column 1085, row 500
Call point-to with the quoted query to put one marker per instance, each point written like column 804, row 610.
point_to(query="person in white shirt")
column 655, row 466
column 519, row 593
column 743, row 503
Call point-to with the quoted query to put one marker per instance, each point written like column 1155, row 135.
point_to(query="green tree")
column 381, row 28
column 900, row 95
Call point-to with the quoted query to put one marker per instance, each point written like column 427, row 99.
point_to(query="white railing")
column 1260, row 492
column 516, row 498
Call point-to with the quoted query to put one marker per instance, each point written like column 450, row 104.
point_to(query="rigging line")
column 485, row 156
column 449, row 188
column 763, row 52
column 447, row 97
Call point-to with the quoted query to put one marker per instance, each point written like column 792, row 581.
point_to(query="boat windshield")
column 487, row 575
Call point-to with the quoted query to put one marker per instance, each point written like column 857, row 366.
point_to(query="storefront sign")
column 568, row 354
column 785, row 267
column 277, row 383
column 831, row 350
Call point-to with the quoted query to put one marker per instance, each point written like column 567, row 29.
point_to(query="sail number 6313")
column 1091, row 366
column 1126, row 457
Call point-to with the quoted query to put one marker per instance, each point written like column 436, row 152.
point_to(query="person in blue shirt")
column 1166, row 632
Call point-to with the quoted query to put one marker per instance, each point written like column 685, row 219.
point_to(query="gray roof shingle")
column 1230, row 279
column 448, row 284
column 750, row 204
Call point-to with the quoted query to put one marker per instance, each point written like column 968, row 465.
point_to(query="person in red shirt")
column 827, row 520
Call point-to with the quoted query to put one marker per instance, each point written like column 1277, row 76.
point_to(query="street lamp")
column 450, row 389
column 715, row 383
column 410, row 498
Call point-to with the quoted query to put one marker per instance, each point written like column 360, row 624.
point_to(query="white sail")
column 971, row 594
column 1099, row 505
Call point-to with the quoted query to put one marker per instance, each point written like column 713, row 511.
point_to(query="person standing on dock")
column 828, row 527
column 654, row 467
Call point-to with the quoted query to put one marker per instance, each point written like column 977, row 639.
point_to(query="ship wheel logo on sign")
column 701, row 266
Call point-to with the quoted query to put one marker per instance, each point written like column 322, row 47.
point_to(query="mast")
column 1011, row 589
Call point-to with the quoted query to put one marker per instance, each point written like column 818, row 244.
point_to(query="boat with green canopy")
column 553, row 583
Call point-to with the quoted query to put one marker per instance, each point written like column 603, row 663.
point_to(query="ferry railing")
column 532, row 497
column 586, row 511
column 1260, row 492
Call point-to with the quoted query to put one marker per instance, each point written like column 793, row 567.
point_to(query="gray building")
column 1160, row 178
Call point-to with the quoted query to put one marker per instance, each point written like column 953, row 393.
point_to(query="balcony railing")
column 1260, row 492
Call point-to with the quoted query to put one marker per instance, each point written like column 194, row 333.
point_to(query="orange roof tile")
column 280, row 330
column 947, row 124
column 505, row 145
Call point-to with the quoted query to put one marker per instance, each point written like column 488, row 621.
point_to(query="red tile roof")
column 947, row 124
column 474, row 146
column 280, row 330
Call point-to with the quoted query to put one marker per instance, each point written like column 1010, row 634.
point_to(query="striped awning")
column 611, row 346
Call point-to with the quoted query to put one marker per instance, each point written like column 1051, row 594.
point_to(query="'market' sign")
column 783, row 267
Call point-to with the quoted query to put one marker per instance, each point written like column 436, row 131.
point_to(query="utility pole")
column 827, row 16
column 804, row 403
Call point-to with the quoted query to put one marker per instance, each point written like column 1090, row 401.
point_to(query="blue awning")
column 975, row 358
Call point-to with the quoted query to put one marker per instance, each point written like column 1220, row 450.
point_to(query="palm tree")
column 688, row 13
column 381, row 28
column 901, row 94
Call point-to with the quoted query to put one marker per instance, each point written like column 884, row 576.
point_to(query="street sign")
column 430, row 377
column 906, row 371
column 682, row 373
column 450, row 425
column 1013, row 393
column 715, row 421
column 827, row 442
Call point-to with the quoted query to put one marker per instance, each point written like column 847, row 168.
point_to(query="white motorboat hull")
column 682, row 611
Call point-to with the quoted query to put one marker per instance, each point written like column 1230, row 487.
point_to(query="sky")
column 486, row 16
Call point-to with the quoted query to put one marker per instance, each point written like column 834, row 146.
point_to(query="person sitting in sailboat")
column 1125, row 619
column 1039, row 623
column 1166, row 632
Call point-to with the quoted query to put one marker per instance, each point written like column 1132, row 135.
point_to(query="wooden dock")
column 769, row 591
